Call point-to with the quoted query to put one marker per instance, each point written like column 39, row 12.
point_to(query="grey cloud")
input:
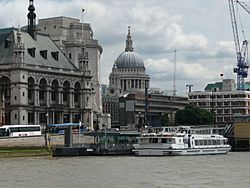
column 157, row 26
column 207, row 54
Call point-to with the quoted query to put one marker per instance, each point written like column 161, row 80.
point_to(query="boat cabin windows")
column 164, row 140
column 153, row 140
column 168, row 141
column 157, row 140
column 143, row 140
column 210, row 142
column 198, row 142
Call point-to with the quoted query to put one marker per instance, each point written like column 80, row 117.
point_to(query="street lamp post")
column 162, row 120
column 213, row 107
column 146, row 103
column 105, row 143
column 47, row 122
column 64, row 118
column 79, row 134
column 46, row 130
column 3, row 120
column 97, row 121
column 139, row 121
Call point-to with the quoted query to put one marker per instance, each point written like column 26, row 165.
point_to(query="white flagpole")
column 82, row 22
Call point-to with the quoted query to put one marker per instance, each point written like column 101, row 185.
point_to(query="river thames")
column 229, row 171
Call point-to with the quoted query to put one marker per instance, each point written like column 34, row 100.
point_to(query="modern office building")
column 223, row 100
column 132, row 108
column 111, row 106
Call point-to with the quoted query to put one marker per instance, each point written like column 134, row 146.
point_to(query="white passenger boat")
column 180, row 141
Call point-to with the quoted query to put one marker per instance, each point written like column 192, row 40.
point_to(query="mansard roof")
column 43, row 43
column 4, row 33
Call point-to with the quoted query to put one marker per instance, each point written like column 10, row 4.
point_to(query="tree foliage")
column 165, row 121
column 193, row 115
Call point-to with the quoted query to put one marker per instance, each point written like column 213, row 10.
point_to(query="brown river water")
column 229, row 171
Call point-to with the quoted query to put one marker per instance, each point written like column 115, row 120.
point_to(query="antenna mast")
column 174, row 86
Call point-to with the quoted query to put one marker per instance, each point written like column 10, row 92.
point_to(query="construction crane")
column 241, row 51
column 244, row 6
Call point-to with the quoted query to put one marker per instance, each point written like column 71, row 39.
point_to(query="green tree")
column 165, row 121
column 193, row 115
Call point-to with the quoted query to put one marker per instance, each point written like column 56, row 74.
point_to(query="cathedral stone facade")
column 130, row 101
column 127, row 76
column 128, row 72
column 39, row 83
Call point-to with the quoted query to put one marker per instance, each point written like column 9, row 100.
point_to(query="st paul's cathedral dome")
column 129, row 58
column 128, row 72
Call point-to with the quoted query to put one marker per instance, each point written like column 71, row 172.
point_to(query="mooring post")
column 68, row 137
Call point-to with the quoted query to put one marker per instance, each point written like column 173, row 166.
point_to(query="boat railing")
column 182, row 130
column 116, row 146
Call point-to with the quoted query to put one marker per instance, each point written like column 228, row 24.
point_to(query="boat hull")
column 180, row 152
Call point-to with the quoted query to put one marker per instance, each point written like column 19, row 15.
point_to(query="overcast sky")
column 200, row 31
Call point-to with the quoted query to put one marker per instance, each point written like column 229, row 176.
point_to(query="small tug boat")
column 181, row 140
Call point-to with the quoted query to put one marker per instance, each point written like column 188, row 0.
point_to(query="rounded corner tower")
column 128, row 73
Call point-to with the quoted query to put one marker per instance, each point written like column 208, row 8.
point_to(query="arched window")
column 5, row 88
column 31, row 90
column 66, row 92
column 54, row 91
column 42, row 91
column 77, row 92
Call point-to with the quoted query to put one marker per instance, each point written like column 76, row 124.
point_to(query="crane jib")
column 241, row 51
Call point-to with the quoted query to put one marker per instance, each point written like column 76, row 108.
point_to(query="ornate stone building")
column 70, row 34
column 39, row 83
column 2, row 111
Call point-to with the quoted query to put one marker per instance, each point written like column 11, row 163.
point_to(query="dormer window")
column 55, row 55
column 32, row 52
column 7, row 43
column 44, row 53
